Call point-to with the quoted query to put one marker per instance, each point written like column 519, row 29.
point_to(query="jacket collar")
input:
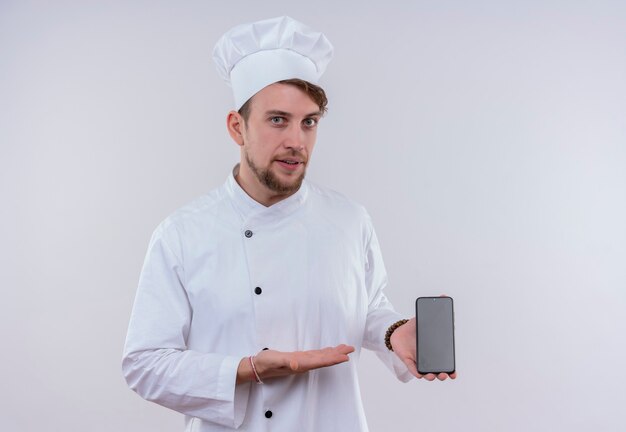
column 249, row 209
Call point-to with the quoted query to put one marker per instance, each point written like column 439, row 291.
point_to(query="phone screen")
column 435, row 334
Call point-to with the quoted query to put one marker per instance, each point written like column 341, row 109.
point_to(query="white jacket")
column 316, row 261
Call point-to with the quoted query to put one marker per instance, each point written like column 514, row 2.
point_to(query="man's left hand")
column 404, row 345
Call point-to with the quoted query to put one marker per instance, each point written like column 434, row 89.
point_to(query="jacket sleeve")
column 381, row 313
column 156, row 362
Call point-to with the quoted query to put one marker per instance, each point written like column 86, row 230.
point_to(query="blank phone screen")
column 435, row 334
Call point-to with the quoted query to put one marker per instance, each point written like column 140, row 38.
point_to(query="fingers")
column 444, row 376
column 441, row 376
column 338, row 354
column 302, row 361
column 333, row 355
column 271, row 363
column 344, row 349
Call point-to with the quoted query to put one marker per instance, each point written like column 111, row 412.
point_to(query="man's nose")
column 294, row 138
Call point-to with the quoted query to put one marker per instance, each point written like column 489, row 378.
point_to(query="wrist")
column 244, row 371
column 392, row 328
column 255, row 373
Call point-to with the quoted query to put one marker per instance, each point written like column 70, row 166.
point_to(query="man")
column 255, row 300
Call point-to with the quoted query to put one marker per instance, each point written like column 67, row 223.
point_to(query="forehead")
column 283, row 97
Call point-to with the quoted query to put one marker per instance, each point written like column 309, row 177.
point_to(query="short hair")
column 315, row 92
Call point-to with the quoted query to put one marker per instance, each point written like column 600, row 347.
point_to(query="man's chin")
column 284, row 184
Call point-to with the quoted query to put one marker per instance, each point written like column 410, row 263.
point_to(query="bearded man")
column 255, row 300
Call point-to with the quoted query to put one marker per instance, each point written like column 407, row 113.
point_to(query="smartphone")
column 434, row 317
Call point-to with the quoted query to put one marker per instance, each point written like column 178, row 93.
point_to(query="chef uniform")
column 225, row 277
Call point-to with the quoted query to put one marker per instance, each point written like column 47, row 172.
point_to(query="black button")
column 248, row 233
column 265, row 349
column 258, row 290
column 268, row 414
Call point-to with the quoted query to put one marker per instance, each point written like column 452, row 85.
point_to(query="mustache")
column 293, row 154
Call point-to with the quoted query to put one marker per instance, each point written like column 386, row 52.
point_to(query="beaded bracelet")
column 257, row 378
column 390, row 331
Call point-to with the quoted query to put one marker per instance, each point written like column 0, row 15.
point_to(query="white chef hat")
column 252, row 56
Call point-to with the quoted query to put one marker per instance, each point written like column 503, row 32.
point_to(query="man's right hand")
column 271, row 364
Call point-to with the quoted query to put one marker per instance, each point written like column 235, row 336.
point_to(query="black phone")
column 434, row 318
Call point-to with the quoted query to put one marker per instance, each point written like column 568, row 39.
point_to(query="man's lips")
column 290, row 164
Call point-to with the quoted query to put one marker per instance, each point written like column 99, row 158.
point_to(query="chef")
column 255, row 300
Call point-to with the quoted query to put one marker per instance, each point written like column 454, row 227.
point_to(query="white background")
column 486, row 138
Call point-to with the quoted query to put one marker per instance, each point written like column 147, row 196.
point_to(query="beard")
column 267, row 178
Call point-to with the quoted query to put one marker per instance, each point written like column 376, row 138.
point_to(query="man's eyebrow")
column 289, row 115
column 278, row 113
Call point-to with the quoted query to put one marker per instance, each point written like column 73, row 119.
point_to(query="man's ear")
column 235, row 125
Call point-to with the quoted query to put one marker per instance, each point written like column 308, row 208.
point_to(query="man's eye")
column 277, row 120
column 310, row 122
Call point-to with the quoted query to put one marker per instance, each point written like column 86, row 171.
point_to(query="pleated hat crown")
column 252, row 56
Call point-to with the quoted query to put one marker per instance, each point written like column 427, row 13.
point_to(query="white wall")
column 487, row 140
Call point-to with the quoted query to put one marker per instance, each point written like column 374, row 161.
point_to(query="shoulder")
column 337, row 206
column 197, row 214
column 325, row 196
